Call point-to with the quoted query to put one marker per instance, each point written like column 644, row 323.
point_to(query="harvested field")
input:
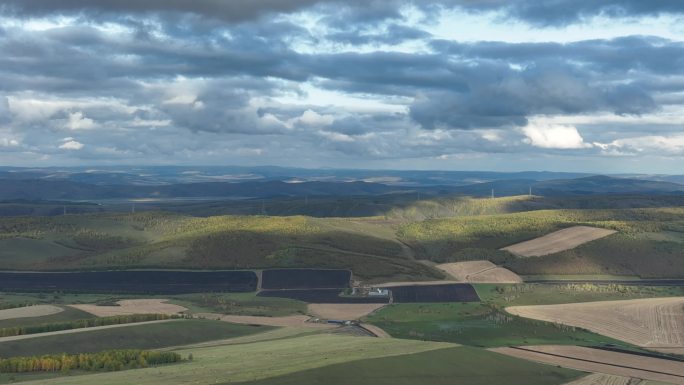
column 604, row 379
column 558, row 241
column 654, row 323
column 133, row 306
column 459, row 292
column 601, row 361
column 479, row 272
column 343, row 311
column 287, row 321
column 410, row 283
column 320, row 296
column 305, row 279
column 158, row 282
column 30, row 311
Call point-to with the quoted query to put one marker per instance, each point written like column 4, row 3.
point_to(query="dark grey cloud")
column 562, row 12
column 224, row 10
column 392, row 34
column 206, row 81
column 463, row 86
column 556, row 12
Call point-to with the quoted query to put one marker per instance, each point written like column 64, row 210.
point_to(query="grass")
column 11, row 378
column 476, row 324
column 162, row 240
column 239, row 304
column 618, row 254
column 460, row 365
column 223, row 303
column 253, row 361
column 376, row 249
column 502, row 295
column 69, row 314
column 634, row 251
column 149, row 336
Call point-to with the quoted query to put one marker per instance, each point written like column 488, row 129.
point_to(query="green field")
column 476, row 324
column 318, row 356
column 163, row 240
column 502, row 295
column 633, row 251
column 375, row 248
column 239, row 304
column 69, row 314
column 222, row 303
column 461, row 365
column 149, row 336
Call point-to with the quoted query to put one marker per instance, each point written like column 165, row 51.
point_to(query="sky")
column 504, row 85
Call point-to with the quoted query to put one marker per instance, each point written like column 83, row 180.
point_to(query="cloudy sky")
column 568, row 85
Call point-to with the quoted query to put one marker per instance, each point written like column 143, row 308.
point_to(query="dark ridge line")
column 662, row 356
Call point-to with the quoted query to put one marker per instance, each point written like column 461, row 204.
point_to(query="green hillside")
column 375, row 248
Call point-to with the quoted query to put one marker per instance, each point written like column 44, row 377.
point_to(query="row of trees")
column 112, row 360
column 5, row 306
column 84, row 323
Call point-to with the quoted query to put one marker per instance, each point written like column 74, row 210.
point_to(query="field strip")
column 30, row 311
column 287, row 321
column 253, row 361
column 133, row 306
column 80, row 330
column 558, row 241
column 656, row 323
column 601, row 361
column 602, row 379
column 343, row 311
column 479, row 272
column 376, row 331
column 413, row 283
column 271, row 335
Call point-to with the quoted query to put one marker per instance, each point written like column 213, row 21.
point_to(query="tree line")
column 6, row 306
column 84, row 323
column 111, row 360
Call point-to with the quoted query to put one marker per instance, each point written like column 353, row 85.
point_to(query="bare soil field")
column 30, row 311
column 558, row 241
column 654, row 323
column 288, row 321
column 604, row 379
column 133, row 306
column 601, row 361
column 343, row 311
column 479, row 272
column 411, row 283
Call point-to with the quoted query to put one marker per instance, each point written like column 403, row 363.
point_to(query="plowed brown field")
column 30, row 311
column 133, row 306
column 558, row 241
column 601, row 361
column 602, row 379
column 479, row 272
column 654, row 323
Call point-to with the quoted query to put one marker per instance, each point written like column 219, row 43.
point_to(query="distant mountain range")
column 162, row 175
column 162, row 183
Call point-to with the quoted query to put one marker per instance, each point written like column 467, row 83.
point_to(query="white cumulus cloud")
column 554, row 136
column 77, row 121
column 71, row 145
